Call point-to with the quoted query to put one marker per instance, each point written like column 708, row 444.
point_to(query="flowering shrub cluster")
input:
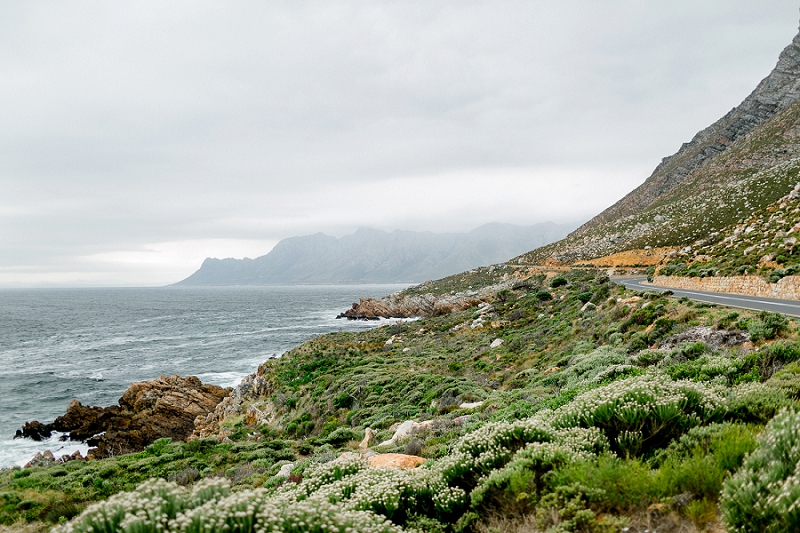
column 641, row 413
column 501, row 465
column 148, row 509
column 584, row 368
column 764, row 495
column 158, row 506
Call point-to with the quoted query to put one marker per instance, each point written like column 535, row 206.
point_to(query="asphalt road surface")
column 787, row 307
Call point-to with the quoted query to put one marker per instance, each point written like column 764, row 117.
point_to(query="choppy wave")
column 90, row 344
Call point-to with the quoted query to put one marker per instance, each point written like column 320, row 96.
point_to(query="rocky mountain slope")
column 374, row 256
column 737, row 166
column 764, row 244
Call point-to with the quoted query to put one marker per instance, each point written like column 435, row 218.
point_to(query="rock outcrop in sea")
column 147, row 411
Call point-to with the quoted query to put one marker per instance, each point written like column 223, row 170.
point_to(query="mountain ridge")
column 762, row 132
column 376, row 256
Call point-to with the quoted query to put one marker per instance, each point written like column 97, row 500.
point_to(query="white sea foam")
column 223, row 379
column 17, row 452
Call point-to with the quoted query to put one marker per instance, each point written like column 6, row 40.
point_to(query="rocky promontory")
column 147, row 411
column 400, row 305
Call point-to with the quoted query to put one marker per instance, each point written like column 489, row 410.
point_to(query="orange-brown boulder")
column 395, row 460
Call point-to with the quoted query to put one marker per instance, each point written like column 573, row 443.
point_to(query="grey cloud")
column 126, row 124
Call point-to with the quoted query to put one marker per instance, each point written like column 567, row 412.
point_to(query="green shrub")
column 585, row 297
column 518, row 485
column 767, row 326
column 755, row 402
column 776, row 275
column 787, row 380
column 544, row 296
column 625, row 484
column 764, row 495
column 343, row 401
column 159, row 447
column 505, row 295
column 559, row 281
column 661, row 328
column 341, row 436
column 728, row 320
column 638, row 342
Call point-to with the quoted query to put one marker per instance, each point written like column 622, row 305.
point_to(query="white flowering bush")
column 256, row 511
column 764, row 495
column 147, row 509
column 494, row 445
column 755, row 402
column 161, row 506
column 642, row 413
column 584, row 368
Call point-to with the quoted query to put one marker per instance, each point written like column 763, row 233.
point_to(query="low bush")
column 642, row 413
column 767, row 326
column 584, row 368
column 755, row 402
column 764, row 495
column 544, row 296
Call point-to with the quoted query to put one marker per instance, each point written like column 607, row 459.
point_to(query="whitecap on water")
column 17, row 452
column 223, row 379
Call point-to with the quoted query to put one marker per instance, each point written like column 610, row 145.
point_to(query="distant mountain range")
column 375, row 256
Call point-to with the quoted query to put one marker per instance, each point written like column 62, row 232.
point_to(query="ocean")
column 91, row 344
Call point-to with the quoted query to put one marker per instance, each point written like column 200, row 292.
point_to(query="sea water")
column 91, row 344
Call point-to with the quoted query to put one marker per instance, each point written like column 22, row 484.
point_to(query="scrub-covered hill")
column 736, row 167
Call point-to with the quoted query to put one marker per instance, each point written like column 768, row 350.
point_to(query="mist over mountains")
column 376, row 256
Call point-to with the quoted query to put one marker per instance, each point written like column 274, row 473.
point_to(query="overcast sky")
column 138, row 138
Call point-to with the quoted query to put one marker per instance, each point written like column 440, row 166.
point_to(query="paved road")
column 787, row 307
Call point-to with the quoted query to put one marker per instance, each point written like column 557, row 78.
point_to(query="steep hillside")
column 732, row 169
column 764, row 243
column 374, row 256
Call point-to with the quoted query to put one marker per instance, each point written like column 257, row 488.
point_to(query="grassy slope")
column 330, row 388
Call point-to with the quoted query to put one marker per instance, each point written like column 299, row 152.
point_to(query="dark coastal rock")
column 34, row 431
column 147, row 411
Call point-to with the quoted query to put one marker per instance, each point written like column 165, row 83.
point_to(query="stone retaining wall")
column 787, row 288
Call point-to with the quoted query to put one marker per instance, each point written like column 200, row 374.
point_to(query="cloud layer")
column 138, row 138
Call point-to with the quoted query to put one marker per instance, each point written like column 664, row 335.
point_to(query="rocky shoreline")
column 183, row 408
column 399, row 305
column 147, row 411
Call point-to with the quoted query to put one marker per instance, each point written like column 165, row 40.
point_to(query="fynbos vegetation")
column 600, row 410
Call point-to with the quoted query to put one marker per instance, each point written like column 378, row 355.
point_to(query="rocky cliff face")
column 147, row 411
column 710, row 183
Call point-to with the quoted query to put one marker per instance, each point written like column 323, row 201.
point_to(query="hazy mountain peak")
column 372, row 255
